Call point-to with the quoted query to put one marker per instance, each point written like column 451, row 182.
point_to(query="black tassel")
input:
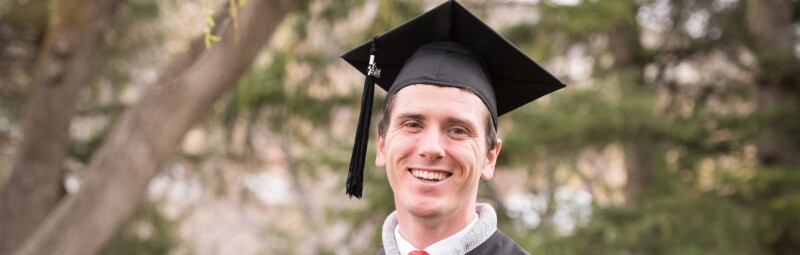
column 355, row 176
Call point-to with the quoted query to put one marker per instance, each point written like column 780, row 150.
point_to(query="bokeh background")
column 225, row 127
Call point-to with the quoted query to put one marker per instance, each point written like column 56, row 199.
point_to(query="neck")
column 424, row 231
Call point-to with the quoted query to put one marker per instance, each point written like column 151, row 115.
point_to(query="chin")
column 425, row 208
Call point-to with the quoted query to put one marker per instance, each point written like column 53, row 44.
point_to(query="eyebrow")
column 413, row 116
column 450, row 119
column 461, row 121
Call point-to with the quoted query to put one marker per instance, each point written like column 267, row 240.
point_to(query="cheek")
column 469, row 156
column 395, row 149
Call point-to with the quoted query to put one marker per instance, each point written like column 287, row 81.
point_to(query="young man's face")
column 435, row 151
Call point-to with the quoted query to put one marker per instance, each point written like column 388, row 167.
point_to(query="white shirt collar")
column 442, row 247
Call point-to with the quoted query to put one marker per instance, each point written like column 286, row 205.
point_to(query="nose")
column 430, row 146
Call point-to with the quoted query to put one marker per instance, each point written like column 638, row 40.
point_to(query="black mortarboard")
column 446, row 46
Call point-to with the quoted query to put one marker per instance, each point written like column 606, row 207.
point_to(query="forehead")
column 439, row 100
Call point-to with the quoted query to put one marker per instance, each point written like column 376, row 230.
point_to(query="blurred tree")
column 300, row 112
column 22, row 28
column 378, row 195
column 64, row 65
column 699, row 115
column 777, row 94
column 680, row 134
column 147, row 231
column 147, row 134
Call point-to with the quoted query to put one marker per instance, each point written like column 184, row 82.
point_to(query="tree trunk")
column 627, row 50
column 147, row 134
column 769, row 23
column 639, row 166
column 63, row 68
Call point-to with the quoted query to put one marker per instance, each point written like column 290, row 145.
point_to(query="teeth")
column 428, row 175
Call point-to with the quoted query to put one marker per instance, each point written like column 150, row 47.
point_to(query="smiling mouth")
column 429, row 176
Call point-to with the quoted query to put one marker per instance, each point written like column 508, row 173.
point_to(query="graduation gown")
column 483, row 238
column 498, row 243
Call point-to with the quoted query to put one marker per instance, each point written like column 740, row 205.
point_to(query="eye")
column 412, row 124
column 459, row 132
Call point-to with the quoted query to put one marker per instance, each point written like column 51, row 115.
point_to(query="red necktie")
column 418, row 253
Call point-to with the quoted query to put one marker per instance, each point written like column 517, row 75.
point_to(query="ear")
column 380, row 159
column 491, row 160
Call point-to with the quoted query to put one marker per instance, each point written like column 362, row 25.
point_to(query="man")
column 448, row 78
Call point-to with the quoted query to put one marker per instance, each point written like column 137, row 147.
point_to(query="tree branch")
column 147, row 134
column 63, row 69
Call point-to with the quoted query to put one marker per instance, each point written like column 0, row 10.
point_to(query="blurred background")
column 225, row 127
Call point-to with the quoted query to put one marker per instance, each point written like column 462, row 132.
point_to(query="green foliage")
column 143, row 9
column 266, row 88
column 686, row 220
column 339, row 10
column 576, row 119
column 209, row 37
column 111, row 74
column 563, row 124
column 698, row 223
column 772, row 197
column 391, row 13
column 31, row 15
column 709, row 195
column 210, row 23
column 53, row 13
column 729, row 206
column 146, row 232
column 588, row 17
column 82, row 150
column 535, row 41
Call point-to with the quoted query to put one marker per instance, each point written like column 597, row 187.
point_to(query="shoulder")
column 498, row 243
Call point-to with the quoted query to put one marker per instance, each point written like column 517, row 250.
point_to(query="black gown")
column 498, row 243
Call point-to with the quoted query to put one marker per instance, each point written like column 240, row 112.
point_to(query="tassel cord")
column 355, row 176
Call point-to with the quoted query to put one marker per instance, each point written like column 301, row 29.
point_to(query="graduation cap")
column 446, row 46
